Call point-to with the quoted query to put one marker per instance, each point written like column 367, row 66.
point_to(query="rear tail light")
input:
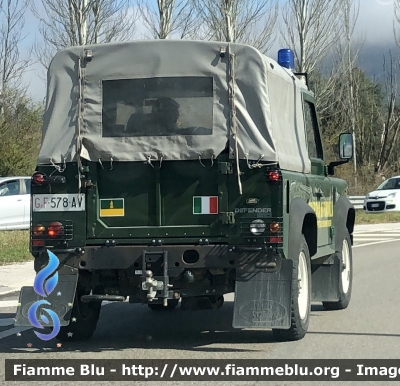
column 55, row 229
column 274, row 175
column 39, row 179
column 39, row 230
column 38, row 243
column 275, row 239
column 274, row 227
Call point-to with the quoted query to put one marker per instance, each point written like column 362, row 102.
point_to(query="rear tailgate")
column 174, row 199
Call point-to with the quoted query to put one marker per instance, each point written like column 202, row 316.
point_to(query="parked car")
column 15, row 202
column 386, row 198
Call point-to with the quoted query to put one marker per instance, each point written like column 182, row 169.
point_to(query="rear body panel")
column 152, row 203
column 158, row 200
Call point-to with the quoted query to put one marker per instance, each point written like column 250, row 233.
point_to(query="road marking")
column 8, row 303
column 6, row 322
column 379, row 234
column 10, row 321
column 377, row 231
column 14, row 303
column 366, row 237
column 13, row 331
column 376, row 242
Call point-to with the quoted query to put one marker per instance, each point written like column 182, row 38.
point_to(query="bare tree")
column 246, row 21
column 20, row 119
column 164, row 18
column 396, row 21
column 65, row 23
column 391, row 126
column 311, row 29
column 12, row 66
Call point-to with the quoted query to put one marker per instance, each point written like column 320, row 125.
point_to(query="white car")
column 15, row 203
column 386, row 198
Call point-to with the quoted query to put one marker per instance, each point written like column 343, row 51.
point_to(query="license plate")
column 58, row 202
column 374, row 205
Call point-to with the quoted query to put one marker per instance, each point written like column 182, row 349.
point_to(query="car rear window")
column 10, row 188
column 157, row 107
column 28, row 186
column 392, row 183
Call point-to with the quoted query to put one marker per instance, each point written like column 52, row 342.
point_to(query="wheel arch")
column 344, row 214
column 302, row 220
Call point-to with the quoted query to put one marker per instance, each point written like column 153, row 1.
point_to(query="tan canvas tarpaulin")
column 264, row 97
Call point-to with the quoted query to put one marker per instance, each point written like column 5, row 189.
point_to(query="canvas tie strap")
column 201, row 163
column 233, row 117
column 58, row 167
column 148, row 161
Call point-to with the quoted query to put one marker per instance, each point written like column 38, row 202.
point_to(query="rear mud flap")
column 325, row 280
column 60, row 300
column 263, row 299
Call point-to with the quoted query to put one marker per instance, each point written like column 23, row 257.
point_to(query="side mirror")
column 346, row 152
column 346, row 149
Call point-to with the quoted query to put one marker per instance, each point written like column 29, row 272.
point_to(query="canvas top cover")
column 215, row 96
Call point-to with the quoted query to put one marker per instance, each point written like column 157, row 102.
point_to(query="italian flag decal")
column 205, row 205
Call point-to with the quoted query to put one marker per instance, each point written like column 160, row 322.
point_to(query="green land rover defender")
column 175, row 172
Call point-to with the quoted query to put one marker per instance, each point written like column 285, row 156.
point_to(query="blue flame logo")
column 44, row 288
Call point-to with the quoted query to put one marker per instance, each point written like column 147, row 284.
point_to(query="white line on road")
column 396, row 233
column 14, row 303
column 381, row 237
column 9, row 321
column 8, row 303
column 377, row 242
column 13, row 331
column 6, row 322
column 372, row 239
column 377, row 231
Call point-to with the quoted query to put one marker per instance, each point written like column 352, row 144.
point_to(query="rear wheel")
column 172, row 303
column 84, row 318
column 301, row 297
column 345, row 278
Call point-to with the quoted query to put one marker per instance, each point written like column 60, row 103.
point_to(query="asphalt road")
column 368, row 329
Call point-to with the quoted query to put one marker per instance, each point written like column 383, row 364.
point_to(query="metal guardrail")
column 357, row 201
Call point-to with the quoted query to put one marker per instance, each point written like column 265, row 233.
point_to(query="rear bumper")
column 179, row 256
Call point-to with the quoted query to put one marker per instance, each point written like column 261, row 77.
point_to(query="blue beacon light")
column 286, row 58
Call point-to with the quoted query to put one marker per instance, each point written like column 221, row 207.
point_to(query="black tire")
column 345, row 286
column 299, row 323
column 83, row 323
column 172, row 303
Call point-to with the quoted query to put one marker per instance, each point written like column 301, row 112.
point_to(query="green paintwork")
column 158, row 202
column 158, row 199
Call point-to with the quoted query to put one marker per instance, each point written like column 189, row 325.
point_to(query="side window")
column 28, row 186
column 10, row 188
column 312, row 132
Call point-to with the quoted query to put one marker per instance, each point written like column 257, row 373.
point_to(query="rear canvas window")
column 157, row 107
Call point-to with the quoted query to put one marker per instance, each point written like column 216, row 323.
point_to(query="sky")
column 374, row 28
column 375, row 25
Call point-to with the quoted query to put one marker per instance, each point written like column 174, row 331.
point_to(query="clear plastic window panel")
column 157, row 107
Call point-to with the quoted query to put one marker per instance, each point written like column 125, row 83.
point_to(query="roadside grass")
column 376, row 218
column 14, row 247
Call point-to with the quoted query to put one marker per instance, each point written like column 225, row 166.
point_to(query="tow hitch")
column 155, row 281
